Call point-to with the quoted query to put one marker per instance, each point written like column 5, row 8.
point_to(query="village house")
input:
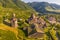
column 52, row 20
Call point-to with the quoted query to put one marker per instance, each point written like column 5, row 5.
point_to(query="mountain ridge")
column 45, row 7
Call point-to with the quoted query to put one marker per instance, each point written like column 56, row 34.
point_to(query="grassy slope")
column 11, row 33
column 7, row 35
column 52, row 10
column 15, row 6
column 21, row 10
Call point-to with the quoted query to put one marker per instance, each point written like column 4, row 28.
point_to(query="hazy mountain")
column 55, row 5
column 45, row 7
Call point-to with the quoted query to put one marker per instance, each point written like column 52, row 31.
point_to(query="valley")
column 29, row 21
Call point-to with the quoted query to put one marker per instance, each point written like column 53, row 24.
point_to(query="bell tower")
column 14, row 22
column 33, row 16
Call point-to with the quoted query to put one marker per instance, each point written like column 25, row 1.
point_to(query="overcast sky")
column 50, row 1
